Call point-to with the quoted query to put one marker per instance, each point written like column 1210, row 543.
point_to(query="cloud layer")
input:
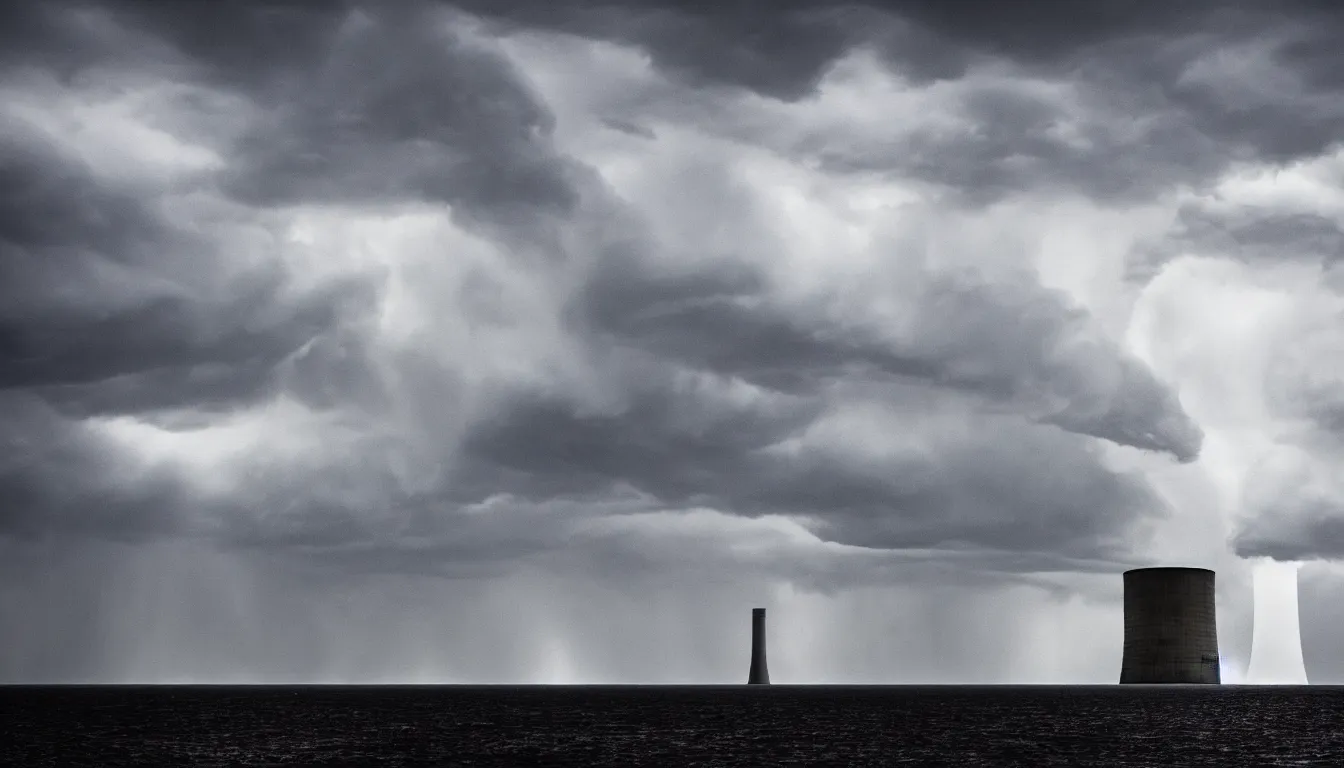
column 834, row 297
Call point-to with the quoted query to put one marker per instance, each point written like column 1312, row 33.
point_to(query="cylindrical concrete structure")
column 759, row 674
column 1276, row 640
column 1171, row 627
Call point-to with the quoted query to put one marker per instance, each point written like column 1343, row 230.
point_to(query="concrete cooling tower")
column 1171, row 629
column 1276, row 643
column 759, row 674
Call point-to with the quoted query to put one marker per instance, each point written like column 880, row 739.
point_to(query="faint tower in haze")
column 759, row 674
column 1276, row 641
column 1171, row 628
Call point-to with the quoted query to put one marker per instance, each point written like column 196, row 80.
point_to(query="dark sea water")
column 673, row 726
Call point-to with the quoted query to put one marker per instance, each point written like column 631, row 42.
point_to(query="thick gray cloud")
column 1007, row 341
column 1157, row 98
column 783, row 49
column 371, row 316
column 1256, row 234
column 58, row 476
column 778, row 51
column 1295, row 506
column 1295, row 529
column 456, row 126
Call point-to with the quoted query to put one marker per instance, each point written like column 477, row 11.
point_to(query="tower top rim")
column 1168, row 569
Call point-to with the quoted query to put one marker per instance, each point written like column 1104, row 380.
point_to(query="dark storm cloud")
column 245, row 44
column 1161, row 99
column 113, row 303
column 97, row 313
column 450, row 123
column 1257, row 235
column 677, row 445
column 630, row 128
column 378, row 106
column 722, row 320
column 688, row 441
column 440, row 120
column 996, row 495
column 53, row 203
column 369, row 104
column 1008, row 341
column 59, row 476
column 783, row 49
column 1170, row 103
column 1028, row 489
column 1050, row 30
column 62, row 37
column 778, row 50
column 1296, row 527
column 344, row 120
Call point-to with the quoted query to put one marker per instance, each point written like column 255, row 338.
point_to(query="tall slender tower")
column 1276, row 641
column 759, row 674
column 1171, row 627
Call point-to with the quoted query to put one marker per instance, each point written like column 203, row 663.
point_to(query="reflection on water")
column 599, row 726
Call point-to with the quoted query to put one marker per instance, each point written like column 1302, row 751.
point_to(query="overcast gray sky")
column 534, row 341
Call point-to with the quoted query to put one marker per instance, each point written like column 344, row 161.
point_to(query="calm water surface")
column 688, row 726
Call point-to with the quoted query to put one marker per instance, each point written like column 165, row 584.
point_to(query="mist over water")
column 180, row 614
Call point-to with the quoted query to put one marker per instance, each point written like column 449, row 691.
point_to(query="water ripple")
column 688, row 726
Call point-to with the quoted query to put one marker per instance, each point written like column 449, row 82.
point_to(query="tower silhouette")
column 1171, row 631
column 759, row 674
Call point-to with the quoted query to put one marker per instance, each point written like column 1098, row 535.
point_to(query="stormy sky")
column 534, row 341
